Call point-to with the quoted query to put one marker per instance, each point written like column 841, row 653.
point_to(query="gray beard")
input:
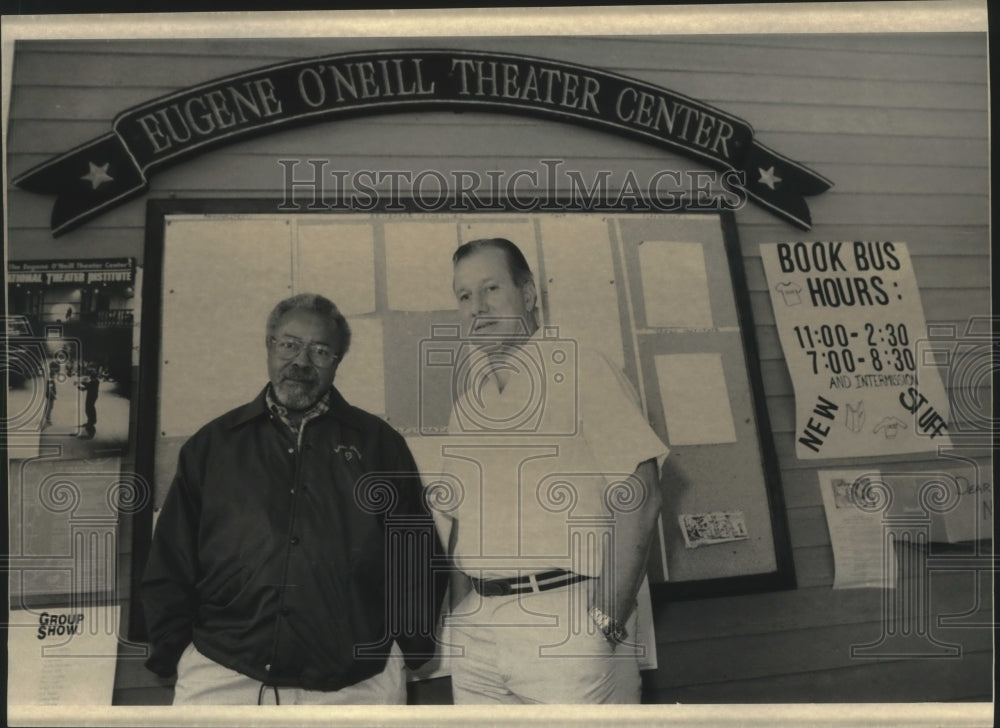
column 294, row 398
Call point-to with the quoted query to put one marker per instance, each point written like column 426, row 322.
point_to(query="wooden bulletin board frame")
column 646, row 343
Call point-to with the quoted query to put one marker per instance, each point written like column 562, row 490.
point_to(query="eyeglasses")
column 319, row 354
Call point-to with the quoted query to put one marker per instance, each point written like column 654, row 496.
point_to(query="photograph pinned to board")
column 72, row 333
column 705, row 529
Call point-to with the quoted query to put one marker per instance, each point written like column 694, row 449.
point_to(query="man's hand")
column 624, row 560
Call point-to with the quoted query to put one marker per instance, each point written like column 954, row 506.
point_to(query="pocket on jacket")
column 229, row 588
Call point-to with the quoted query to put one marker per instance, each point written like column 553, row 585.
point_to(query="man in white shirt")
column 560, row 478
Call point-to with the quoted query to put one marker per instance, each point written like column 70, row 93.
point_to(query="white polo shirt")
column 542, row 464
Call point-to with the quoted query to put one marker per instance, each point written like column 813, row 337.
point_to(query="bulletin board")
column 662, row 295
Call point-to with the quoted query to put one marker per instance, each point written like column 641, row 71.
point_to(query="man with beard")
column 291, row 561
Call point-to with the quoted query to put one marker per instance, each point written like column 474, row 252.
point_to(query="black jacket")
column 294, row 566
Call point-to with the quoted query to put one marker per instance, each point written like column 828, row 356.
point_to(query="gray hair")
column 314, row 303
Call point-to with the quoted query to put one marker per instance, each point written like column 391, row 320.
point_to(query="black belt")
column 526, row 584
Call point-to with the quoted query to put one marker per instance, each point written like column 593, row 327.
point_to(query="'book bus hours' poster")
column 849, row 318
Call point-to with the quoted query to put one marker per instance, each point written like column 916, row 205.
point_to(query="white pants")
column 538, row 648
column 201, row 681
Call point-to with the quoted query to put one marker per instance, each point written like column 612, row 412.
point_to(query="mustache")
column 299, row 373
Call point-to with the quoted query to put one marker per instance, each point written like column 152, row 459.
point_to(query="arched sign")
column 115, row 167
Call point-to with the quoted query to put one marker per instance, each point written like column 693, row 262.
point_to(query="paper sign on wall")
column 62, row 656
column 863, row 556
column 849, row 318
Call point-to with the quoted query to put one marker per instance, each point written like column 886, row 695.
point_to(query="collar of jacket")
column 339, row 408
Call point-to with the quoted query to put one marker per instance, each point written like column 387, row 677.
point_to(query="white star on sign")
column 768, row 177
column 97, row 175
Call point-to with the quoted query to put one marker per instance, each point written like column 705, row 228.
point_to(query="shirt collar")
column 321, row 407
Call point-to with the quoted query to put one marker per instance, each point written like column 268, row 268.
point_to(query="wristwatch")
column 613, row 630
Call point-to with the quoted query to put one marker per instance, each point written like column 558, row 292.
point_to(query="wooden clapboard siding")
column 805, row 609
column 908, row 681
column 897, row 122
column 748, row 657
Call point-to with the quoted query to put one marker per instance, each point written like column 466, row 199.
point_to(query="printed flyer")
column 849, row 318
column 64, row 656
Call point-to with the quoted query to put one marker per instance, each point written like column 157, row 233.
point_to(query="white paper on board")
column 580, row 280
column 207, row 266
column 695, row 399
column 361, row 375
column 418, row 265
column 675, row 285
column 337, row 261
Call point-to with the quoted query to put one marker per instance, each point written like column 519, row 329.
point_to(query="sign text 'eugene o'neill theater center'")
column 114, row 168
column 326, row 85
